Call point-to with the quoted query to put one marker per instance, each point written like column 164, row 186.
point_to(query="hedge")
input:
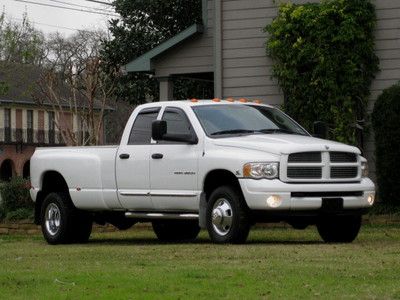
column 386, row 125
column 16, row 202
column 324, row 61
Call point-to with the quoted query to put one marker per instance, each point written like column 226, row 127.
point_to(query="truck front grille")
column 342, row 157
column 324, row 166
column 305, row 157
column 304, row 172
column 344, row 172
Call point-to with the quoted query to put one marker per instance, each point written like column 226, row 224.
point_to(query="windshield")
column 228, row 119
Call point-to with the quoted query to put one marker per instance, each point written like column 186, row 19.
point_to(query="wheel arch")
column 214, row 179
column 51, row 181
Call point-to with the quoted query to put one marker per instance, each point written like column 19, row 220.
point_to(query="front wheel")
column 339, row 229
column 227, row 216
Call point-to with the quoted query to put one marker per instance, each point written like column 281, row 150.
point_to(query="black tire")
column 238, row 230
column 71, row 226
column 176, row 230
column 339, row 229
column 82, row 227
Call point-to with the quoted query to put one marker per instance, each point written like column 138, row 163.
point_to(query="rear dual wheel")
column 62, row 223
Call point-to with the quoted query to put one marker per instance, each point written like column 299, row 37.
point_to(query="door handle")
column 124, row 156
column 157, row 156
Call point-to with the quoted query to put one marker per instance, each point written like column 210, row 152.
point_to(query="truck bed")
column 88, row 171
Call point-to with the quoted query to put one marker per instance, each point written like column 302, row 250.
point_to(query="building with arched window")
column 25, row 125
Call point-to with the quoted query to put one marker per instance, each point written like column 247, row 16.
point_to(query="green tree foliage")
column 21, row 42
column 143, row 25
column 324, row 61
column 386, row 124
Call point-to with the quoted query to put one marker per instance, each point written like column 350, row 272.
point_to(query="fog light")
column 274, row 201
column 371, row 199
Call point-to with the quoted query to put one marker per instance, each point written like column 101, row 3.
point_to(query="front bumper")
column 305, row 196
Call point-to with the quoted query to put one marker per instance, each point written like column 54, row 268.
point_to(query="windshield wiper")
column 279, row 130
column 232, row 131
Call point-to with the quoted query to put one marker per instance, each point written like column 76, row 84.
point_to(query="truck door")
column 133, row 166
column 174, row 167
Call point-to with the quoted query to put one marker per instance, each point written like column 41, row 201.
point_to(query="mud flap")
column 202, row 211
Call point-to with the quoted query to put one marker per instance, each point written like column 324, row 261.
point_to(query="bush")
column 20, row 214
column 324, row 62
column 386, row 124
column 15, row 199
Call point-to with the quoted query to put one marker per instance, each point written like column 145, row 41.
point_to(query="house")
column 229, row 48
column 25, row 125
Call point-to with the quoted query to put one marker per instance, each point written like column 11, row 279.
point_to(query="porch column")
column 166, row 88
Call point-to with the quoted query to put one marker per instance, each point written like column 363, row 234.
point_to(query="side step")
column 170, row 216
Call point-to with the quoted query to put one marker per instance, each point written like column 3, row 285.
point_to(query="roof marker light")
column 243, row 100
column 230, row 99
column 258, row 101
column 216, row 100
column 193, row 100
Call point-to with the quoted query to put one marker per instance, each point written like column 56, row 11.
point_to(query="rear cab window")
column 141, row 129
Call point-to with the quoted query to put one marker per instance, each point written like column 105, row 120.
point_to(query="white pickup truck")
column 218, row 164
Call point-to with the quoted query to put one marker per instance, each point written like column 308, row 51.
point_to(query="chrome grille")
column 324, row 166
column 305, row 157
column 304, row 172
column 342, row 157
column 344, row 172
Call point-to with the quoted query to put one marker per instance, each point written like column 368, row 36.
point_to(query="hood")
column 283, row 143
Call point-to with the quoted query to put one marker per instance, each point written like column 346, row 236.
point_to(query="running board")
column 170, row 216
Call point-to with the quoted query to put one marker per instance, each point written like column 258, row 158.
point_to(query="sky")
column 52, row 19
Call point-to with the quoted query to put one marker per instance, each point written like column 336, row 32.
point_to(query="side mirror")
column 159, row 133
column 158, row 130
column 320, row 129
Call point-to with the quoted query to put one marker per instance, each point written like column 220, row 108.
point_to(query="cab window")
column 141, row 129
column 177, row 122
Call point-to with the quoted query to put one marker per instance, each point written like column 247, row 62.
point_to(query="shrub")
column 386, row 125
column 324, row 62
column 20, row 214
column 15, row 197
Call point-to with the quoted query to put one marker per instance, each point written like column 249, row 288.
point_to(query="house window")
column 29, row 125
column 7, row 125
column 52, row 132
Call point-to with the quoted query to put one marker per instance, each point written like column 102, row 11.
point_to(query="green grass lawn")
column 275, row 263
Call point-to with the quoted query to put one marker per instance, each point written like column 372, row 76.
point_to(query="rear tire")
column 339, row 229
column 227, row 216
column 61, row 222
column 82, row 227
column 176, row 230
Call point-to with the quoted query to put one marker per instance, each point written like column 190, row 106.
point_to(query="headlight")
column 261, row 170
column 364, row 169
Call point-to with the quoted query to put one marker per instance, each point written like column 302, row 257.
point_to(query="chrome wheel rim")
column 222, row 216
column 52, row 219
